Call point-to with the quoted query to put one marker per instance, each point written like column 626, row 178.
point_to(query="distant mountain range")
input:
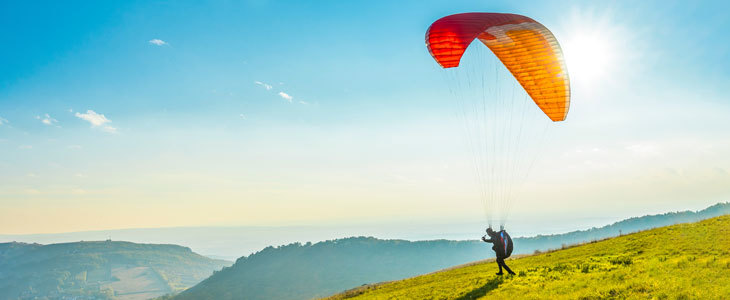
column 99, row 270
column 305, row 271
column 232, row 242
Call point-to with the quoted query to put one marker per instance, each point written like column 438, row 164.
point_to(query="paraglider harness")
column 506, row 242
column 502, row 243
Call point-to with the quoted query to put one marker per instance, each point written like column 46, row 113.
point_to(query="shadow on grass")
column 482, row 290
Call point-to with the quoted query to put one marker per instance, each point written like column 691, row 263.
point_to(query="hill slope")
column 686, row 261
column 304, row 271
column 541, row 242
column 119, row 270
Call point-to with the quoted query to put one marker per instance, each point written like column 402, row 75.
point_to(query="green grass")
column 685, row 261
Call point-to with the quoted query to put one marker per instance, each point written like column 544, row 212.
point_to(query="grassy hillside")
column 305, row 271
column 527, row 245
column 686, row 261
column 104, row 270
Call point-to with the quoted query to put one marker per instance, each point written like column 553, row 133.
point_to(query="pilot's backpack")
column 506, row 241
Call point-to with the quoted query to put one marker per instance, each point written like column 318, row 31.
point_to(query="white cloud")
column 286, row 96
column 97, row 120
column 265, row 85
column 242, row 116
column 109, row 129
column 3, row 121
column 46, row 119
column 94, row 118
column 25, row 147
column 281, row 94
column 157, row 42
column 74, row 147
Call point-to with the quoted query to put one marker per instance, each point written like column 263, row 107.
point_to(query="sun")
column 591, row 48
column 588, row 57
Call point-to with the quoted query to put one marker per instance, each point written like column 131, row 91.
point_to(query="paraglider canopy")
column 527, row 48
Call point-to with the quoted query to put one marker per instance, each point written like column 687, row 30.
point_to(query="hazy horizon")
column 232, row 242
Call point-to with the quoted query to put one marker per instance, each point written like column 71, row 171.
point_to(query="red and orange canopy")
column 527, row 48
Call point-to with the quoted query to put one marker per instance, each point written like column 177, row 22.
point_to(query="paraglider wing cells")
column 527, row 48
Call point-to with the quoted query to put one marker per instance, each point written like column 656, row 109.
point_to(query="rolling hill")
column 305, row 271
column 685, row 261
column 99, row 270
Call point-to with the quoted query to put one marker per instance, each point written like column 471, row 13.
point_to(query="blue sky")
column 364, row 130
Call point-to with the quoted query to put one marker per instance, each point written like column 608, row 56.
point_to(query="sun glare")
column 588, row 58
column 591, row 47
